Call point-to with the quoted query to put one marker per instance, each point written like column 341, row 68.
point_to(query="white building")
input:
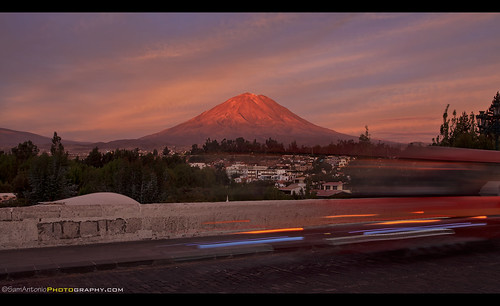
column 329, row 189
column 294, row 189
column 199, row 165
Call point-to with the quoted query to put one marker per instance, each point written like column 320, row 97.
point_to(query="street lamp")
column 489, row 121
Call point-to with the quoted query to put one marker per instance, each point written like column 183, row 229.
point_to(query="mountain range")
column 246, row 115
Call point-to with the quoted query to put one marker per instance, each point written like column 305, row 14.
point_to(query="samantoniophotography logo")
column 43, row 289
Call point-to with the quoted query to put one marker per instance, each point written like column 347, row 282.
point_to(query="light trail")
column 417, row 228
column 248, row 242
column 278, row 230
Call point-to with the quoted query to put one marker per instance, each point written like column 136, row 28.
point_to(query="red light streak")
column 224, row 222
column 292, row 229
column 407, row 221
column 351, row 216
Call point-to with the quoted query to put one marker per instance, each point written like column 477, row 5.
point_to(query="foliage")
column 48, row 180
column 36, row 178
column 151, row 177
column 463, row 131
column 271, row 146
column 458, row 131
column 147, row 178
column 365, row 138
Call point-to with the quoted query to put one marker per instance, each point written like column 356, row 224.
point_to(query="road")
column 470, row 268
column 422, row 255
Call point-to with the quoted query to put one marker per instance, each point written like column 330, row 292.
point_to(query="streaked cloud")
column 101, row 77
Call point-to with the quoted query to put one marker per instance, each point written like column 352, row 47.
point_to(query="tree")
column 443, row 130
column 94, row 158
column 8, row 171
column 165, row 151
column 48, row 180
column 460, row 132
column 195, row 150
column 365, row 138
column 465, row 132
column 293, row 147
column 211, row 146
column 25, row 150
column 273, row 146
column 56, row 148
column 46, row 177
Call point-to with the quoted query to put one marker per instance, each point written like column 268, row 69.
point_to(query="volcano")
column 249, row 116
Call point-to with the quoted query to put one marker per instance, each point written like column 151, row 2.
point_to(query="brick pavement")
column 473, row 269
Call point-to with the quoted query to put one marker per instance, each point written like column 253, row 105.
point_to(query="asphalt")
column 22, row 263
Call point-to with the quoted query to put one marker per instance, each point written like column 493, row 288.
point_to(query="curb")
column 20, row 272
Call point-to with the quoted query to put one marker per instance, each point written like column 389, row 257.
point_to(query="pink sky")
column 101, row 77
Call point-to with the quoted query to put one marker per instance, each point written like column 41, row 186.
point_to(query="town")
column 294, row 175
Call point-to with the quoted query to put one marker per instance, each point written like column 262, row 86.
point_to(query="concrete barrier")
column 62, row 223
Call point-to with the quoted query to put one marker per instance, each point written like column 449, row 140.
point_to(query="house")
column 331, row 189
column 254, row 172
column 299, row 180
column 238, row 169
column 332, row 186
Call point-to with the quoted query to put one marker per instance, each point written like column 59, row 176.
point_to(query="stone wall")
column 60, row 224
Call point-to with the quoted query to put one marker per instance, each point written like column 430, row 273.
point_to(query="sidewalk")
column 23, row 263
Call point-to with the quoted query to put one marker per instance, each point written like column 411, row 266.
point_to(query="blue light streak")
column 248, row 242
column 417, row 228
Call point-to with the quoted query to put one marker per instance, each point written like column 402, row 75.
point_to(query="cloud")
column 130, row 75
column 215, row 37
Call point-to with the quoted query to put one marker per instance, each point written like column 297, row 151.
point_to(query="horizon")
column 98, row 77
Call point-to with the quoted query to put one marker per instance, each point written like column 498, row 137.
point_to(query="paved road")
column 473, row 268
